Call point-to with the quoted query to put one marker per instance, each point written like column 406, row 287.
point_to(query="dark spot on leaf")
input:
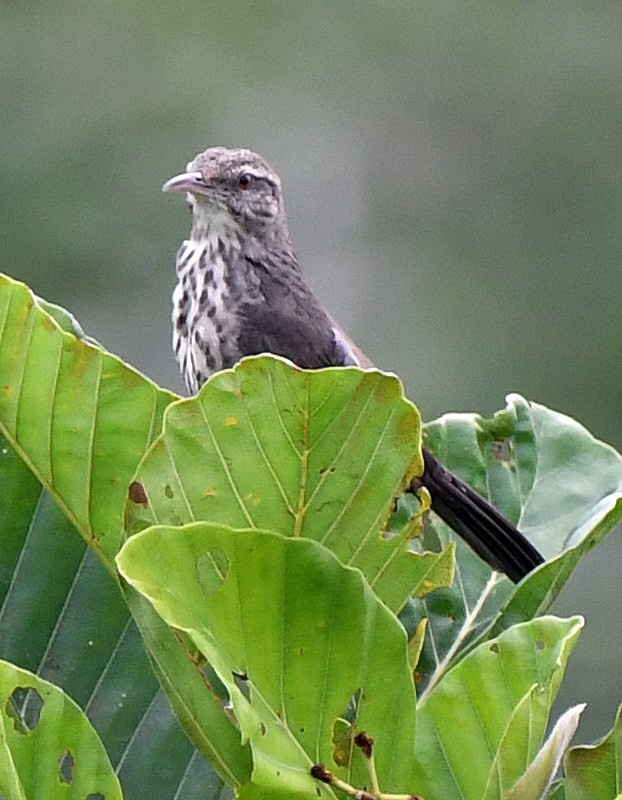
column 137, row 493
column 168, row 492
column 24, row 708
column 301, row 651
column 539, row 644
column 96, row 796
column 494, row 647
column 320, row 773
column 66, row 766
column 264, row 730
column 327, row 470
column 365, row 742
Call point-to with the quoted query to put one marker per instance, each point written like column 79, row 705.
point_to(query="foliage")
column 48, row 749
column 265, row 549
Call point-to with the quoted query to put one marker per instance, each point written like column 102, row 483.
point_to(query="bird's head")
column 234, row 186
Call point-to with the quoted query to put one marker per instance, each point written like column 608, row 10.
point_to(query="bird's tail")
column 485, row 529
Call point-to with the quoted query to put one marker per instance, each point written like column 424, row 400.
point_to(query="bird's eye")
column 245, row 180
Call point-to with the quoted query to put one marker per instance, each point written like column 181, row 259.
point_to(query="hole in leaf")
column 24, row 708
column 503, row 450
column 342, row 742
column 96, row 796
column 168, row 492
column 241, row 681
column 351, row 710
column 494, row 647
column 66, row 766
column 212, row 568
column 264, row 730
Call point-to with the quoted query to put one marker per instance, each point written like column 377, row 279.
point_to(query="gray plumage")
column 240, row 292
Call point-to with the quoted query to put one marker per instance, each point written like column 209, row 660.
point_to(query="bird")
column 240, row 291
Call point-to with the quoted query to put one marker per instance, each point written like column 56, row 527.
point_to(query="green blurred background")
column 453, row 177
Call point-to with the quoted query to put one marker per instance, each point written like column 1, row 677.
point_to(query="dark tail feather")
column 488, row 532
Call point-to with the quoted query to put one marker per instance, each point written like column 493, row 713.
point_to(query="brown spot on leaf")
column 137, row 494
column 365, row 742
column 320, row 773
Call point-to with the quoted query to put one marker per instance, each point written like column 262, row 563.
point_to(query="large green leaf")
column 306, row 634
column 561, row 486
column 81, row 420
column 492, row 706
column 48, row 749
column 316, row 454
column 79, row 417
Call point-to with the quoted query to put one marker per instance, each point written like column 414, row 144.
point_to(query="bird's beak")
column 186, row 182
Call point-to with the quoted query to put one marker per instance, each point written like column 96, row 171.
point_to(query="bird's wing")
column 287, row 319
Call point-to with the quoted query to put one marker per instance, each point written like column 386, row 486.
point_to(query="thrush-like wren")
column 240, row 292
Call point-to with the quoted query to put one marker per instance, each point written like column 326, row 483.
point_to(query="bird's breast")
column 203, row 319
